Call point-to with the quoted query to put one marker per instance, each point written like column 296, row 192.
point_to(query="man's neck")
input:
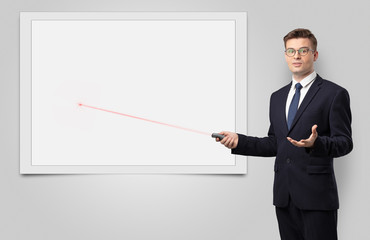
column 300, row 77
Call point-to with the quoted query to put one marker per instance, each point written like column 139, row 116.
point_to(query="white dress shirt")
column 306, row 84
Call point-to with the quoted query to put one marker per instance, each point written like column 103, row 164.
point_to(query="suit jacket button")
column 288, row 160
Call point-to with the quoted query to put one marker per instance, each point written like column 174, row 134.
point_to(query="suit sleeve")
column 258, row 146
column 255, row 146
column 339, row 142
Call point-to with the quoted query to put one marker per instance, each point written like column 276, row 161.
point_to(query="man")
column 310, row 124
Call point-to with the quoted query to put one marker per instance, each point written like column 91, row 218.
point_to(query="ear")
column 315, row 56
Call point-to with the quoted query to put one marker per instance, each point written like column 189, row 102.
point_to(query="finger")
column 299, row 144
column 231, row 143
column 228, row 142
column 224, row 141
column 304, row 143
column 294, row 142
column 234, row 145
column 314, row 127
column 291, row 140
column 314, row 130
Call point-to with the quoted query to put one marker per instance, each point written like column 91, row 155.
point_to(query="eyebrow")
column 298, row 48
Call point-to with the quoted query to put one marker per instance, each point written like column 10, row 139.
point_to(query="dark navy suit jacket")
column 306, row 175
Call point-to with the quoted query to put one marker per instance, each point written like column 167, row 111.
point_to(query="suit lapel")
column 307, row 99
column 281, row 110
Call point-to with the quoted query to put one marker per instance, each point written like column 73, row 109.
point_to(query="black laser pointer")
column 217, row 135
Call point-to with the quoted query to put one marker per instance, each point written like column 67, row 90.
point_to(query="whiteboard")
column 131, row 92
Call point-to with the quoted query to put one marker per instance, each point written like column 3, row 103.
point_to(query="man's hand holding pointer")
column 230, row 140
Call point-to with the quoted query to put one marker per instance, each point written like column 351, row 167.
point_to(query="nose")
column 297, row 55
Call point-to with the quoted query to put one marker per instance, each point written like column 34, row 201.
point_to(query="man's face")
column 301, row 66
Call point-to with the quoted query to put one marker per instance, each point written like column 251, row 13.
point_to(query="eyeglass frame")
column 295, row 51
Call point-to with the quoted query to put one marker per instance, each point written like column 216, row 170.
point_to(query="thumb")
column 314, row 127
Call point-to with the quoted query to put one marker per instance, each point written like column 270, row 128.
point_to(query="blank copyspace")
column 176, row 72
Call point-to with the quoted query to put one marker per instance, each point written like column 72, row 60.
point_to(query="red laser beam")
column 145, row 119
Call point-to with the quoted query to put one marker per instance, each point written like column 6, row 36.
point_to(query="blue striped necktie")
column 294, row 104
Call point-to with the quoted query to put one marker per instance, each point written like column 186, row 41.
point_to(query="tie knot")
column 298, row 86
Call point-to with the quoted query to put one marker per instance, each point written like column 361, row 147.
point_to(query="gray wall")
column 191, row 206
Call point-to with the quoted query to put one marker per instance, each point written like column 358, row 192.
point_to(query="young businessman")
column 310, row 124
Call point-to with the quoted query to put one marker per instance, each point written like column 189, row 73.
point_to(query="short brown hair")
column 301, row 33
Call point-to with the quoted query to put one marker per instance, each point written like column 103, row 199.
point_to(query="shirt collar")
column 306, row 81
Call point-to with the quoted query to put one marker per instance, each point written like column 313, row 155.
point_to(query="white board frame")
column 26, row 19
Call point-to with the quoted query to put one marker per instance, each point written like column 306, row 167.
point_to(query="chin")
column 296, row 72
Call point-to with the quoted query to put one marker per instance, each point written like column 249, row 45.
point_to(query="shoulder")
column 327, row 83
column 330, row 87
column 282, row 92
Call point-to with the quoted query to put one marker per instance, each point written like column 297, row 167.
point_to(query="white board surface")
column 127, row 92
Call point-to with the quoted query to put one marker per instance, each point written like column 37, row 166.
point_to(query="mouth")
column 297, row 64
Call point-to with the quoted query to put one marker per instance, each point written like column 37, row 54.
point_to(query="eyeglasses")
column 290, row 52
